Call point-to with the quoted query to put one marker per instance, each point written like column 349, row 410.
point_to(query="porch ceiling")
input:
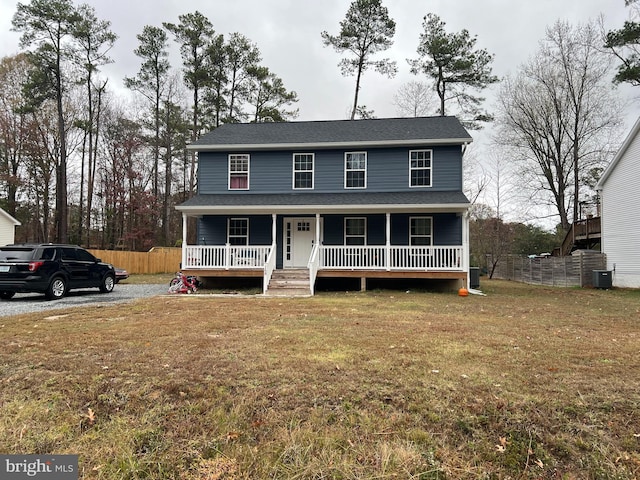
column 324, row 203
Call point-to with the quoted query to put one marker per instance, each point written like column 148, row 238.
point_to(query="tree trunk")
column 355, row 97
column 441, row 89
column 62, row 209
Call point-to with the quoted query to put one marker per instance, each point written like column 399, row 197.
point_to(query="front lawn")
column 527, row 382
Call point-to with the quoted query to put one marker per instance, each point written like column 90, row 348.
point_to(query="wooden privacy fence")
column 156, row 260
column 571, row 271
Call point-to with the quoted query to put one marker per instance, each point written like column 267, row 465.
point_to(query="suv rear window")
column 8, row 254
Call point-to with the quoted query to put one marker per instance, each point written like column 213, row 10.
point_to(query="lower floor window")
column 238, row 231
column 420, row 231
column 355, row 231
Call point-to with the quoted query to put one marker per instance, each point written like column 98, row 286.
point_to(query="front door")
column 299, row 238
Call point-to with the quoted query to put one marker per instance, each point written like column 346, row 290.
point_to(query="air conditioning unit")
column 602, row 279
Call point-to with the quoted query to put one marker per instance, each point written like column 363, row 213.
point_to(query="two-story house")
column 376, row 198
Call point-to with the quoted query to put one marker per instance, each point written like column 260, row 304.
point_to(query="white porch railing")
column 225, row 256
column 449, row 258
column 313, row 266
column 269, row 267
column 228, row 257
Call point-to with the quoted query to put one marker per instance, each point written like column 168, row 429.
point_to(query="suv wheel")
column 6, row 295
column 57, row 289
column 107, row 283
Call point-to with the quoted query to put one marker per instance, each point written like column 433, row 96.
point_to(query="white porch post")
column 318, row 229
column 184, row 240
column 387, row 260
column 465, row 246
column 273, row 229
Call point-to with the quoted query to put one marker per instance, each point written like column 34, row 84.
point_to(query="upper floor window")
column 303, row 170
column 355, row 170
column 239, row 172
column 420, row 231
column 238, row 231
column 420, row 168
column 355, row 231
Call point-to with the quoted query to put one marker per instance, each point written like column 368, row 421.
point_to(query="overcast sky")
column 287, row 33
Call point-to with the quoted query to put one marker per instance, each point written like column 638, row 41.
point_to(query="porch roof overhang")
column 324, row 203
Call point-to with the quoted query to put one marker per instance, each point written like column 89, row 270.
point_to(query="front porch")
column 389, row 261
column 341, row 236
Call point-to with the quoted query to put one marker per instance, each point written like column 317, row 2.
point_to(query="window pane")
column 355, row 226
column 85, row 256
column 239, row 181
column 239, row 164
column 355, row 179
column 303, row 162
column 304, row 180
column 238, row 226
column 354, row 240
column 356, row 161
column 420, row 178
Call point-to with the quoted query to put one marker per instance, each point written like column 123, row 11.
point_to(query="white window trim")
column 366, row 164
column 237, row 155
column 355, row 236
column 246, row 219
column 430, row 168
column 313, row 172
column 421, row 236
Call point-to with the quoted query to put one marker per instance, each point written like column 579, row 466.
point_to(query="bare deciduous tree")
column 559, row 115
column 415, row 99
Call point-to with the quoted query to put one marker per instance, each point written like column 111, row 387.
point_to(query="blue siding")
column 387, row 170
column 212, row 229
column 447, row 229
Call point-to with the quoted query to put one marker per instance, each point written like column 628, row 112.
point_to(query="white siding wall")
column 621, row 218
column 7, row 230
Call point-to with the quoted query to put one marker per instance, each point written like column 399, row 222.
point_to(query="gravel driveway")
column 34, row 302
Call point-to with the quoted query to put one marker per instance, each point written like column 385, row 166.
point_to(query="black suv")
column 51, row 269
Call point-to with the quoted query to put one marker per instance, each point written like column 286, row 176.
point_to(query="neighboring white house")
column 619, row 190
column 8, row 226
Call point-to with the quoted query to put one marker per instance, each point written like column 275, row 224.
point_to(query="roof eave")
column 14, row 221
column 329, row 145
column 623, row 148
column 322, row 209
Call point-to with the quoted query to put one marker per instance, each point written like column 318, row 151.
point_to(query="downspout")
column 465, row 246
column 465, row 230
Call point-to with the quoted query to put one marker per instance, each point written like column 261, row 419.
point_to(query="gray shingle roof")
column 318, row 133
column 328, row 200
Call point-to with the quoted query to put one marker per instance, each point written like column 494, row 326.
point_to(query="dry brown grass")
column 528, row 382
